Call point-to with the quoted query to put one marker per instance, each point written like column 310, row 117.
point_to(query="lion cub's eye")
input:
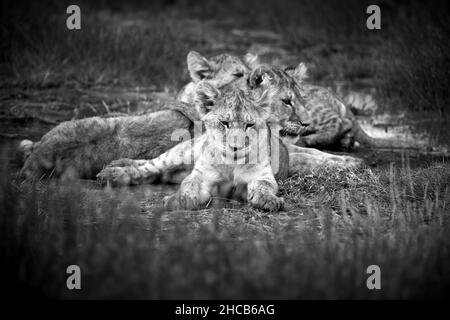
column 226, row 124
column 287, row 101
column 249, row 125
column 238, row 74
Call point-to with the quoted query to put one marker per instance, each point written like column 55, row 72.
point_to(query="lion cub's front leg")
column 168, row 167
column 262, row 195
column 125, row 172
column 194, row 193
column 262, row 191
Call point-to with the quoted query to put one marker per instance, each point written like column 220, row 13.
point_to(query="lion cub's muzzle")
column 239, row 139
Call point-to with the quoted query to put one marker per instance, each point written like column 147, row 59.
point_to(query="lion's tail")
column 24, row 149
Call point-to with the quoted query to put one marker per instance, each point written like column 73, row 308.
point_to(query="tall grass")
column 339, row 223
column 415, row 64
column 113, row 47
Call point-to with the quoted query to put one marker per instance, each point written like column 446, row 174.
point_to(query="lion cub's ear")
column 299, row 73
column 205, row 98
column 251, row 60
column 199, row 67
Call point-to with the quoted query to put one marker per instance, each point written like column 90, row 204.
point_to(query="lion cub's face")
column 281, row 93
column 218, row 70
column 235, row 123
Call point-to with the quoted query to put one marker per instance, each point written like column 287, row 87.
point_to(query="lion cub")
column 235, row 149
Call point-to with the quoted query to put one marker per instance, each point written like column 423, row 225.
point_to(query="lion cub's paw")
column 189, row 198
column 266, row 201
column 170, row 202
column 116, row 176
column 179, row 201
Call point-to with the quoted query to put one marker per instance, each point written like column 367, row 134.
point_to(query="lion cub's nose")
column 306, row 121
column 236, row 140
column 304, row 118
column 236, row 146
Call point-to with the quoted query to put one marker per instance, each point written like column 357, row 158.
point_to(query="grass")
column 338, row 223
column 415, row 62
column 130, row 48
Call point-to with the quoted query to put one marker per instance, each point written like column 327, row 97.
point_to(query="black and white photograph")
column 200, row 150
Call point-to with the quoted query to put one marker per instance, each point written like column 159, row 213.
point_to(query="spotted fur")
column 333, row 125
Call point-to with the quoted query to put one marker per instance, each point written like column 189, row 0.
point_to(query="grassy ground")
column 337, row 222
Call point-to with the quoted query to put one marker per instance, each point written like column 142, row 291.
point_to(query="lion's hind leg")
column 81, row 147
